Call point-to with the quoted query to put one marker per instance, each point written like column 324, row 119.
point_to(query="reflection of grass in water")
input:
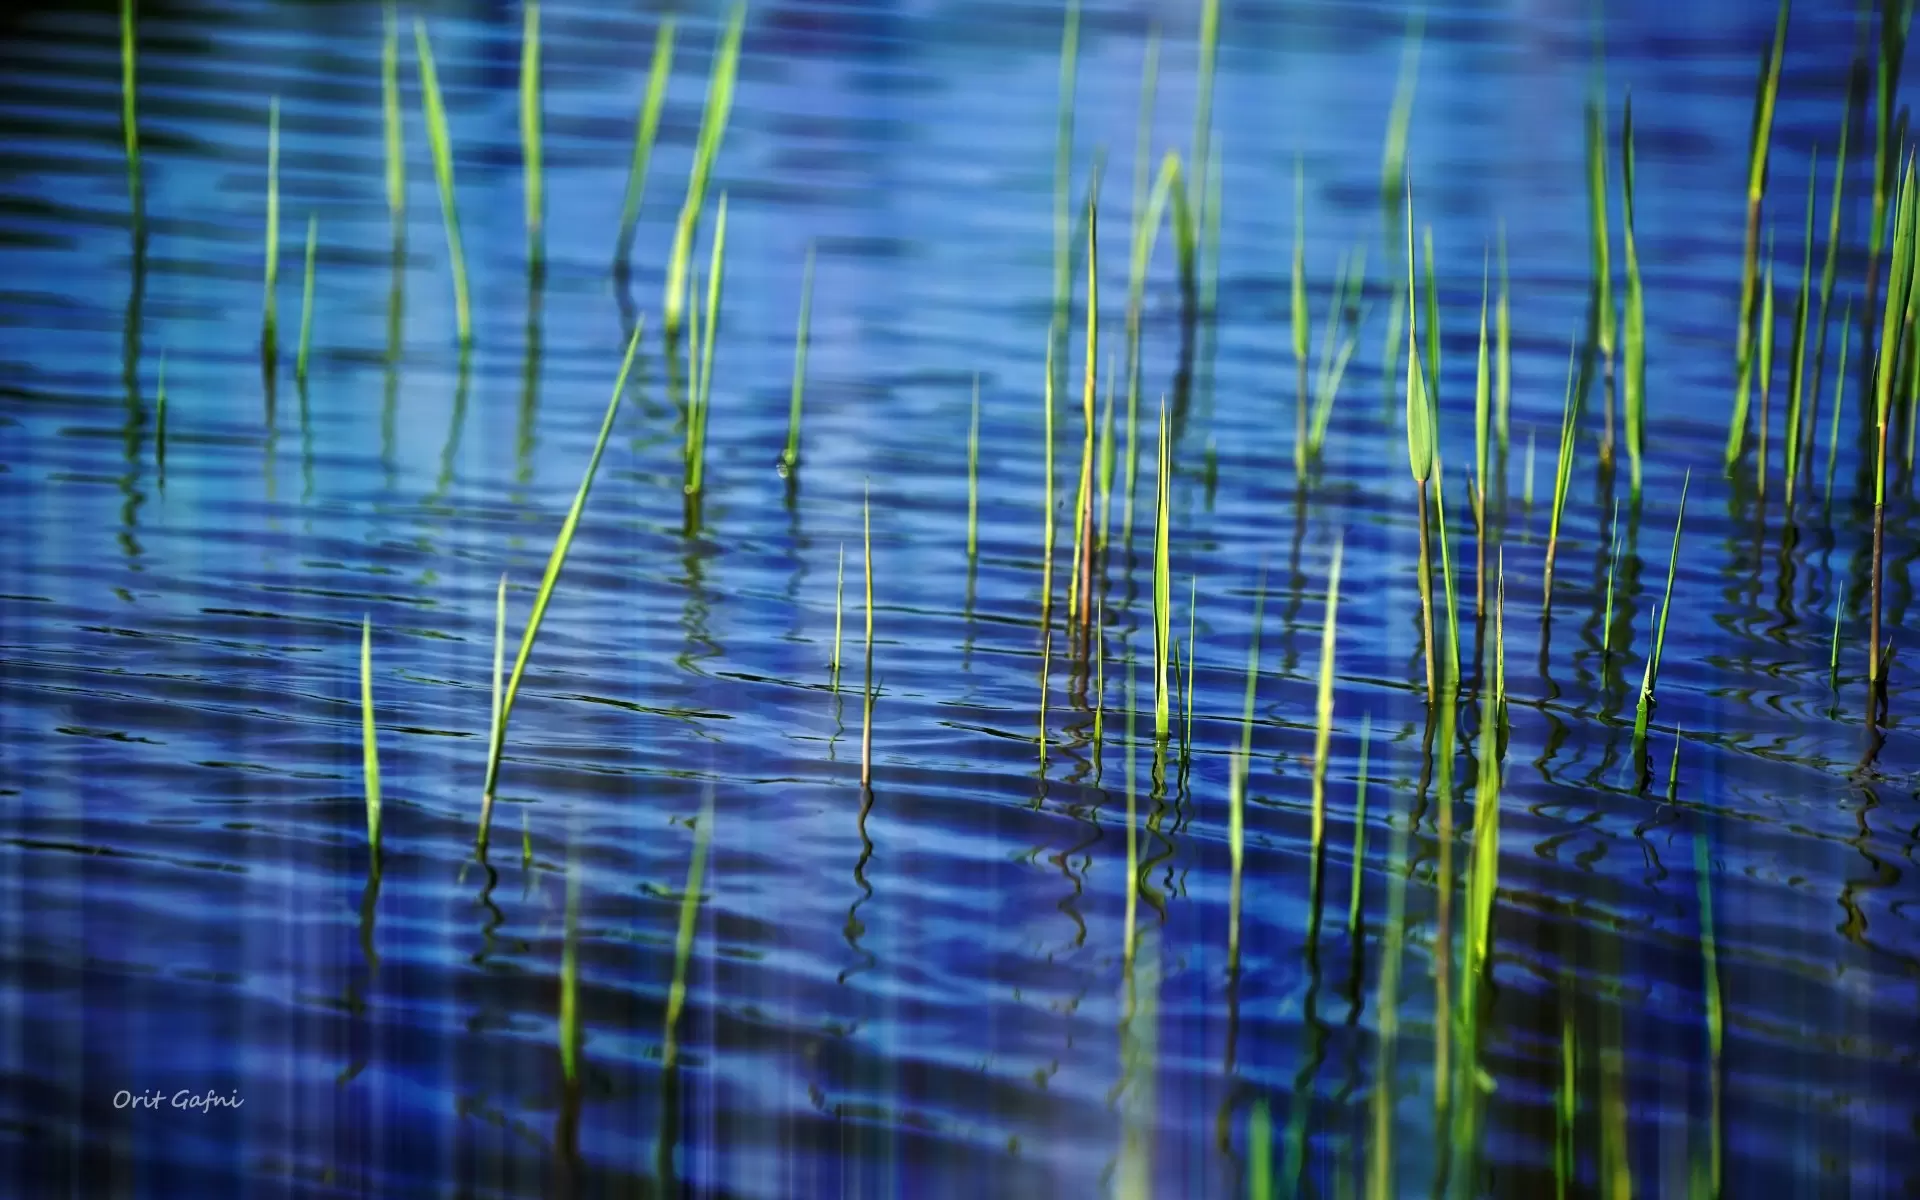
column 390, row 119
column 1380, row 1172
column 644, row 130
column 441, row 142
column 570, row 981
column 544, row 595
column 1237, row 772
column 1899, row 282
column 1323, row 740
column 1709, row 960
column 683, row 935
column 306, row 305
column 713, row 128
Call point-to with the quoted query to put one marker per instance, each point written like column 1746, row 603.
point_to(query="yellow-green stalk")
column 1633, row 339
column 129, row 117
column 1380, row 1173
column 973, row 474
column 713, row 128
column 369, row 742
column 1766, row 361
column 1359, row 836
column 683, row 935
column 1895, row 20
column 1709, row 959
column 570, row 980
column 790, row 459
column 1503, row 336
column 1603, row 314
column 1562, row 476
column 1301, row 318
column 548, row 581
column 1764, row 100
column 1828, row 272
column 306, row 305
column 644, row 130
column 1839, row 402
column 1650, row 677
column 1323, row 738
column 1482, row 415
column 1419, row 452
column 703, row 392
column 1080, row 587
column 442, row 144
column 1237, row 773
column 530, row 128
column 269, row 327
column 1062, row 173
column 1393, row 166
column 390, row 119
column 1899, row 279
column 1162, row 581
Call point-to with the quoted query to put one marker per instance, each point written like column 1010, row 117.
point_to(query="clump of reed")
column 544, row 596
column 441, row 142
column 1766, row 95
column 645, row 128
column 713, row 128
column 790, row 457
column 1162, row 582
column 1650, row 677
column 1899, row 282
column 530, row 130
column 369, row 741
column 1633, row 334
column 700, row 383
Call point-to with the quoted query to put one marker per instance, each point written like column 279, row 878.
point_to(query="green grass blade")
column 369, row 742
column 1652, row 675
column 306, row 304
column 499, row 656
column 1380, row 1166
column 1563, row 468
column 1503, row 335
column 129, row 116
column 442, row 143
column 570, row 980
column 1162, row 580
column 530, row 127
column 1446, row 575
column 1597, row 210
column 973, row 473
column 270, row 322
column 1393, row 164
column 555, row 561
column 1797, row 356
column 1613, row 564
column 1063, row 170
column 1710, row 970
column 1301, row 317
column 839, row 596
column 791, row 459
column 1634, row 334
column 644, row 131
column 1260, row 1153
column 1829, row 271
column 1203, row 103
column 710, row 327
column 1419, row 415
column 1839, row 401
column 713, row 128
column 1433, row 324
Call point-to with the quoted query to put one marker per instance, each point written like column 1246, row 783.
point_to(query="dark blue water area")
column 925, row 987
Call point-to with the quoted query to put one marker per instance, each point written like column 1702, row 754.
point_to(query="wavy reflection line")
column 853, row 928
column 456, row 426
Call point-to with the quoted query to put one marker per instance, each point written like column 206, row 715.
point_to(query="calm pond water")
column 921, row 989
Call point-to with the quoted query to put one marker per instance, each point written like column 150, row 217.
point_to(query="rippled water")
column 919, row 989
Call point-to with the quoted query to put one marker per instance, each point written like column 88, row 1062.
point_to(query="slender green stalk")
column 710, row 327
column 790, row 460
column 1080, row 587
column 1133, row 821
column 499, row 656
column 1186, row 700
column 1203, row 105
column 270, row 321
column 1260, row 1153
column 549, row 580
column 1359, row 835
column 1162, row 580
column 1797, row 362
column 1323, row 736
column 1839, row 402
column 306, row 304
column 1633, row 349
column 390, row 119
column 1895, row 20
column 1063, row 173
column 530, row 128
column 866, row 691
column 1106, row 456
column 1767, row 93
column 442, row 143
column 839, row 596
column 713, row 129
column 570, row 981
column 1146, row 232
column 973, row 474
column 1419, row 449
column 1833, row 645
column 644, row 130
column 1526, row 492
column 683, row 935
column 1046, row 528
column 1710, row 970
column 1452, row 660
column 1433, row 326
column 1828, row 272
column 1604, row 316
column 1766, row 363
column 1301, row 318
column 1336, row 349
column 129, row 116
column 1562, row 474
column 1237, row 782
column 1503, row 336
column 369, row 742
column 1652, row 674
column 1564, row 1109
column 526, row 842
column 1482, row 416
column 1613, row 564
